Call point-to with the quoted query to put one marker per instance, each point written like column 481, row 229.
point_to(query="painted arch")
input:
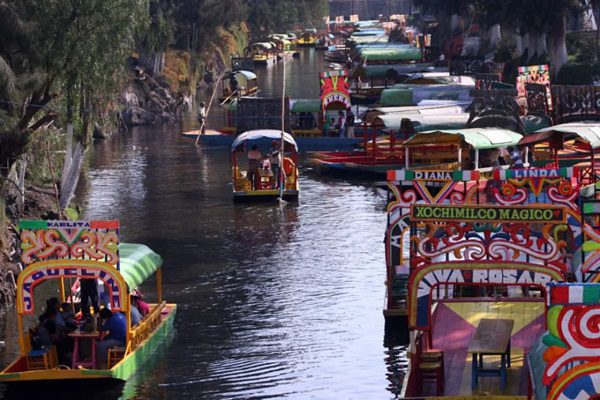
column 39, row 272
column 426, row 278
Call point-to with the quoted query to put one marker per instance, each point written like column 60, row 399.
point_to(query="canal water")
column 278, row 300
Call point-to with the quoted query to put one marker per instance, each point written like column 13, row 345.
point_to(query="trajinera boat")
column 259, row 181
column 481, row 267
column 62, row 251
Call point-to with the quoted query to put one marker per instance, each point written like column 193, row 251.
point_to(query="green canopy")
column 396, row 97
column 424, row 122
column 587, row 131
column 390, row 54
column 305, row 105
column 137, row 263
column 478, row 138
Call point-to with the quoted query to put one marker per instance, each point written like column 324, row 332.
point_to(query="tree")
column 67, row 54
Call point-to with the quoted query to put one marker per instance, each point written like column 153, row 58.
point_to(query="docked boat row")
column 494, row 269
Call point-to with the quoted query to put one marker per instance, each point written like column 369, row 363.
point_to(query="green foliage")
column 578, row 74
column 582, row 49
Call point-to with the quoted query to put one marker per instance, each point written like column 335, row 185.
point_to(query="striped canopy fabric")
column 138, row 262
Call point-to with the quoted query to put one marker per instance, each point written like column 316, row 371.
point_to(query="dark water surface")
column 275, row 300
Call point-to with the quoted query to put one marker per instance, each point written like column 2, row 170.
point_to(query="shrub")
column 578, row 74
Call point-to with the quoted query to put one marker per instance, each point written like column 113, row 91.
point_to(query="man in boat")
column 89, row 296
column 116, row 326
column 254, row 159
column 202, row 117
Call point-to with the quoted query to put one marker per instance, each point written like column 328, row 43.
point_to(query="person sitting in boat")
column 266, row 173
column 254, row 158
column 135, row 314
column 515, row 157
column 140, row 304
column 116, row 326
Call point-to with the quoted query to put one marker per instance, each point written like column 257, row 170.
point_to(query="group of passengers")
column 58, row 320
column 266, row 166
column 343, row 125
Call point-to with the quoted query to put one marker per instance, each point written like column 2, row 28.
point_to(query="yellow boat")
column 65, row 250
column 308, row 38
column 247, row 185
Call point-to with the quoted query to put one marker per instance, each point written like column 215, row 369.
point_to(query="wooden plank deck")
column 454, row 326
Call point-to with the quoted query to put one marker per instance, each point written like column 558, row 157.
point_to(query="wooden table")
column 492, row 337
column 77, row 337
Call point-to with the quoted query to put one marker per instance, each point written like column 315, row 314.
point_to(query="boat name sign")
column 478, row 213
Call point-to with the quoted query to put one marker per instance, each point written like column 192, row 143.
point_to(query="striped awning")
column 137, row 263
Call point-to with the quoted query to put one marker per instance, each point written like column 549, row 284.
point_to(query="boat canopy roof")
column 380, row 71
column 305, row 105
column 263, row 134
column 587, row 131
column 424, row 121
column 246, row 74
column 369, row 32
column 405, row 95
column 137, row 263
column 390, row 53
column 266, row 45
column 478, row 138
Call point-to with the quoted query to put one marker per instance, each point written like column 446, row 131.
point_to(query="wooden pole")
column 208, row 108
column 281, row 176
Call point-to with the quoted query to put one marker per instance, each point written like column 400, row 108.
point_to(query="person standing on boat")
column 89, row 296
column 274, row 158
column 254, row 159
column 350, row 123
column 341, row 124
column 202, row 117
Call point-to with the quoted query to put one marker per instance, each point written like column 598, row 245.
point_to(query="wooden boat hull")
column 120, row 372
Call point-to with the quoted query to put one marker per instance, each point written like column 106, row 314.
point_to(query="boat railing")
column 147, row 326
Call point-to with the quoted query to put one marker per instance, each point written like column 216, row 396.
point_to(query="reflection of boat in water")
column 90, row 250
column 264, row 183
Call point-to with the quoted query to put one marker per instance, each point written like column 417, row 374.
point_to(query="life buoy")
column 288, row 166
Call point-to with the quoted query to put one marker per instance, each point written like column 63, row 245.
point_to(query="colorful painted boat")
column 565, row 144
column 64, row 250
column 247, row 86
column 444, row 148
column 308, row 38
column 269, row 186
column 461, row 249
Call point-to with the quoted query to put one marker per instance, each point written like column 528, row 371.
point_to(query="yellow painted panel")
column 523, row 313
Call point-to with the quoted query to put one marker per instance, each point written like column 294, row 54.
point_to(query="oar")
column 212, row 96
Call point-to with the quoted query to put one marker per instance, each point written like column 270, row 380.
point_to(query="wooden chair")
column 431, row 366
column 42, row 359
column 115, row 354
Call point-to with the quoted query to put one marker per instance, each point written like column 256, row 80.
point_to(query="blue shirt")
column 116, row 327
